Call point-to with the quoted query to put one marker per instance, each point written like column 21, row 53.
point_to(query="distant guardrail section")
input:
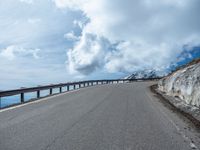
column 36, row 92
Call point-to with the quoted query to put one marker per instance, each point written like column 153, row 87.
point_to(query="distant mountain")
column 145, row 74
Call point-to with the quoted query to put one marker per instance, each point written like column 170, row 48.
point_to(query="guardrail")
column 80, row 84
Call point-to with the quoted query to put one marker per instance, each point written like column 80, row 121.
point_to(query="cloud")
column 87, row 55
column 27, row 1
column 71, row 36
column 102, row 36
column 80, row 24
column 13, row 51
column 139, row 34
column 32, row 43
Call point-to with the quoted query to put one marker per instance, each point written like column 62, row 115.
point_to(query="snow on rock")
column 184, row 83
column 145, row 74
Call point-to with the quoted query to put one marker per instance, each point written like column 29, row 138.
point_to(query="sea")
column 12, row 100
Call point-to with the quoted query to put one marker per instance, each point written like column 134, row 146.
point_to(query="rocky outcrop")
column 184, row 84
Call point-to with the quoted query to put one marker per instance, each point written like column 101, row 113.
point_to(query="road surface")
column 103, row 117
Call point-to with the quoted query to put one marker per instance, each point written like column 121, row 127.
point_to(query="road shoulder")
column 177, row 106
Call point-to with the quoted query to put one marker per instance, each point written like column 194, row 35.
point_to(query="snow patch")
column 145, row 74
column 184, row 84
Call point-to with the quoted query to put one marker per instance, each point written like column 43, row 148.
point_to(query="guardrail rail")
column 80, row 84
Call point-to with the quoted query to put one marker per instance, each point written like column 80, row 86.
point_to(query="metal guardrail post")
column 50, row 91
column 38, row 94
column 74, row 86
column 60, row 88
column 67, row 87
column 22, row 97
column 0, row 103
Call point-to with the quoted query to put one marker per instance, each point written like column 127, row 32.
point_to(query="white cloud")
column 73, row 4
column 27, row 1
column 71, row 36
column 80, row 24
column 30, row 31
column 148, row 33
column 87, row 55
column 13, row 51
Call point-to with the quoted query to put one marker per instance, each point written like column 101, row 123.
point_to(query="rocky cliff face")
column 184, row 84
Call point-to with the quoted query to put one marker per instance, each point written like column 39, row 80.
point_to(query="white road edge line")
column 192, row 145
column 38, row 100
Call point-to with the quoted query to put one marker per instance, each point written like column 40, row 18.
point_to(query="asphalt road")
column 104, row 117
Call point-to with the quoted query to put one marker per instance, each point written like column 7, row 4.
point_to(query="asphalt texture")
column 103, row 117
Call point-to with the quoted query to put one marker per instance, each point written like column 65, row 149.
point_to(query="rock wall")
column 184, row 83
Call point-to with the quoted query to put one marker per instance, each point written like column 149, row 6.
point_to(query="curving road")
column 104, row 117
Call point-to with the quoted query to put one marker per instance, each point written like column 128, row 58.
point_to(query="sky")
column 56, row 41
